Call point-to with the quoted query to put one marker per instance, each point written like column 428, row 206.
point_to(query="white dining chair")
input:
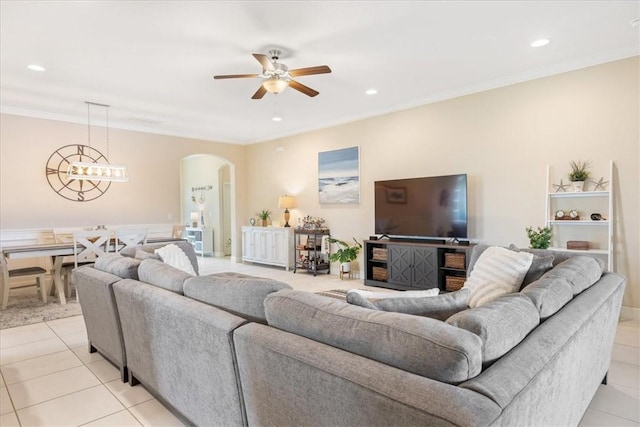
column 19, row 278
column 131, row 236
column 88, row 245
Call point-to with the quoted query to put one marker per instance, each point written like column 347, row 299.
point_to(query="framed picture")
column 339, row 176
column 397, row 195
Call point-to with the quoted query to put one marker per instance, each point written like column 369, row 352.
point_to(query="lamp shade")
column 286, row 202
column 275, row 84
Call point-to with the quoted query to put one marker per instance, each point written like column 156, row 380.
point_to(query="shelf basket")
column 454, row 283
column 454, row 260
column 379, row 274
column 379, row 254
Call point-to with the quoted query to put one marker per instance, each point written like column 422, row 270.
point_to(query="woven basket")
column 379, row 274
column 454, row 283
column 454, row 260
column 379, row 254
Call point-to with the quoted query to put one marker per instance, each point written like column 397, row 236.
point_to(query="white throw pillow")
column 370, row 295
column 497, row 272
column 175, row 257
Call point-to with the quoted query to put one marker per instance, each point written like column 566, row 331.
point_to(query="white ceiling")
column 153, row 61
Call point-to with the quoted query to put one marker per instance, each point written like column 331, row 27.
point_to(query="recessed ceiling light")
column 36, row 67
column 540, row 43
column 371, row 92
column 276, row 118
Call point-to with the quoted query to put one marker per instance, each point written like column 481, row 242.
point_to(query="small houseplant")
column 579, row 174
column 345, row 254
column 540, row 238
column 264, row 216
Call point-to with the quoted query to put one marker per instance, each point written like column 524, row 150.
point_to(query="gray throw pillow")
column 439, row 307
column 542, row 262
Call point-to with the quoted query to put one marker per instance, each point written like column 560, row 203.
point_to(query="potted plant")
column 264, row 216
column 540, row 238
column 579, row 174
column 345, row 254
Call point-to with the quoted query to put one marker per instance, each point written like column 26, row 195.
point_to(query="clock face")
column 74, row 189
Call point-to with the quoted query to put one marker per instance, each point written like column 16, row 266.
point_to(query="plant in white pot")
column 579, row 174
column 345, row 254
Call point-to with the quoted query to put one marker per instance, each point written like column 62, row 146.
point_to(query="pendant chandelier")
column 94, row 170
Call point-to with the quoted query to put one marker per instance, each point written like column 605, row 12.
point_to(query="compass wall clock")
column 73, row 189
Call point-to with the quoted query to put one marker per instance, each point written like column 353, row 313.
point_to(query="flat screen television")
column 430, row 207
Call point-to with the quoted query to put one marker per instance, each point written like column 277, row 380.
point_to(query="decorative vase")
column 578, row 186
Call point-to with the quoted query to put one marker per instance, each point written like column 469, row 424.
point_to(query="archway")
column 207, row 192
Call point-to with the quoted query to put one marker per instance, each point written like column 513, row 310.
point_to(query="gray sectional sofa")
column 237, row 350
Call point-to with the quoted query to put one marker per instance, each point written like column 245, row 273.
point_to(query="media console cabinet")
column 411, row 265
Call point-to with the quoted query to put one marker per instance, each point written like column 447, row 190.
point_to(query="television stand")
column 412, row 264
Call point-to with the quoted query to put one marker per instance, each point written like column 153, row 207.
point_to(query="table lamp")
column 194, row 219
column 286, row 202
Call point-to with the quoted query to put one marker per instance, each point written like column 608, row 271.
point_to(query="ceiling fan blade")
column 320, row 69
column 259, row 93
column 237, row 76
column 264, row 60
column 302, row 88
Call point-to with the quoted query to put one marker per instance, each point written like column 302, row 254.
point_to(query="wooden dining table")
column 57, row 252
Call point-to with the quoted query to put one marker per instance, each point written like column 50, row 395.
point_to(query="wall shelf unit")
column 599, row 233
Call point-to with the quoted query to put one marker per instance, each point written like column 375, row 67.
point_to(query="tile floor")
column 48, row 378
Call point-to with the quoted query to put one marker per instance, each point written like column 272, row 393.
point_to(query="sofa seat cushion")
column 501, row 324
column 159, row 274
column 580, row 271
column 439, row 307
column 498, row 271
column 415, row 344
column 124, row 267
column 243, row 296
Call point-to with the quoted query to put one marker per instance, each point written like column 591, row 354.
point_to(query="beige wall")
column 152, row 196
column 503, row 139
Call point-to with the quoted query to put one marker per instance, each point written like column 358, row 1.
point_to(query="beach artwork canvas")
column 339, row 176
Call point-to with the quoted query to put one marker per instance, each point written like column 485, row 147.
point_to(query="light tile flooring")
column 49, row 378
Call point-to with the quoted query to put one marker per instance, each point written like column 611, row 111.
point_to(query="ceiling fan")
column 276, row 76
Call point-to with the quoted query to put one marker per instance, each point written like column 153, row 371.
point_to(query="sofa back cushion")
column 124, row 267
column 243, row 296
column 416, row 344
column 549, row 295
column 580, row 271
column 439, row 307
column 501, row 324
column 159, row 274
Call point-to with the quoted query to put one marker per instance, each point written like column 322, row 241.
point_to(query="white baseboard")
column 630, row 313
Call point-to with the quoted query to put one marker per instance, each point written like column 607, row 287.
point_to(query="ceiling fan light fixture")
column 275, row 84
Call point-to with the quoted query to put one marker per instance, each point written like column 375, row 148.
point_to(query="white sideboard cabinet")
column 268, row 245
